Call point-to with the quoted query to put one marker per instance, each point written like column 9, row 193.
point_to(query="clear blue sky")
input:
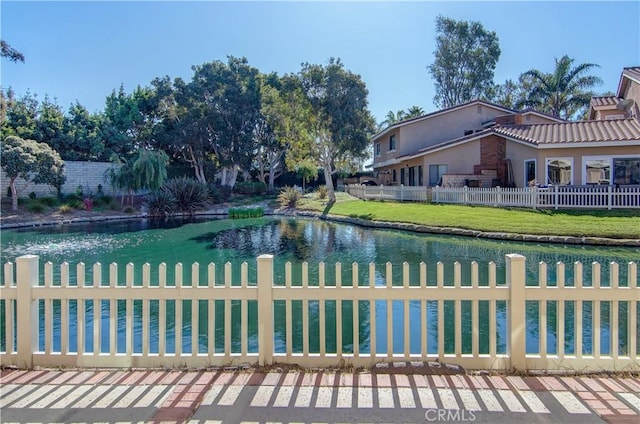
column 83, row 50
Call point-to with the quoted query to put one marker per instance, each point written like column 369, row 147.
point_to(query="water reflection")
column 313, row 241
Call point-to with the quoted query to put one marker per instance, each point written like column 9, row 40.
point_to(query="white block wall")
column 86, row 174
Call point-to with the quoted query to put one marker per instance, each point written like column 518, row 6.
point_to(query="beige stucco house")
column 484, row 144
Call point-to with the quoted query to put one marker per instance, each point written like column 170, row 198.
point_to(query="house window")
column 392, row 142
column 530, row 172
column 435, row 174
column 412, row 176
column 377, row 149
column 420, row 176
column 394, row 174
column 402, row 175
column 597, row 171
column 559, row 171
column 626, row 170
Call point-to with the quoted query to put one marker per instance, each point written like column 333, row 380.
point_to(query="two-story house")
column 484, row 144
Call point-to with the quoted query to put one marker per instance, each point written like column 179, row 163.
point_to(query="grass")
column 610, row 224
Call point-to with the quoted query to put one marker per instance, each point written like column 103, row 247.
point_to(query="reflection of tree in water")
column 291, row 239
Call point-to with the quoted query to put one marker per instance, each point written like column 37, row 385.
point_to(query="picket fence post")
column 265, row 310
column 27, row 277
column 516, row 281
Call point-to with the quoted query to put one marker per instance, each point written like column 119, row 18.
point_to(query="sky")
column 82, row 51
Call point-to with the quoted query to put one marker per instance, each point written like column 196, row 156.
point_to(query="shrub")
column 160, row 203
column 32, row 195
column 49, row 201
column 322, row 192
column 289, row 197
column 102, row 200
column 251, row 188
column 219, row 194
column 74, row 203
column 190, row 195
column 35, row 207
column 240, row 213
column 129, row 209
column 65, row 209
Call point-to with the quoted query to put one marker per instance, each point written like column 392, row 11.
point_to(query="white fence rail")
column 556, row 197
column 35, row 312
column 381, row 192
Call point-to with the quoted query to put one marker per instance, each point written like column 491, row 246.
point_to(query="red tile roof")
column 574, row 132
column 605, row 101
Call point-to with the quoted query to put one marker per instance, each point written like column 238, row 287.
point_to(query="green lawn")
column 611, row 224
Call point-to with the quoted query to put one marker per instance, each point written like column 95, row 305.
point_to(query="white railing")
column 35, row 312
column 400, row 193
column 556, row 197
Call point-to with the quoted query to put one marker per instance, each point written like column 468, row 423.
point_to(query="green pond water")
column 314, row 241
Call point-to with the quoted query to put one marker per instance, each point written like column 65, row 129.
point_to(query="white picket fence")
column 555, row 197
column 23, row 294
column 381, row 192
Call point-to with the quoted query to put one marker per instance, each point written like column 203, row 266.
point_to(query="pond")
column 314, row 241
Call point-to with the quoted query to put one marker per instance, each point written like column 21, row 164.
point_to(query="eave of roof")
column 544, row 115
column 574, row 132
column 631, row 73
column 604, row 102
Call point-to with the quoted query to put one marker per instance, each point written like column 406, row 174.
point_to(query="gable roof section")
column 604, row 101
column 531, row 111
column 574, row 132
column 441, row 112
column 628, row 74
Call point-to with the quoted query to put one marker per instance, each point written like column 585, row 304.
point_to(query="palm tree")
column 391, row 118
column 414, row 111
column 564, row 92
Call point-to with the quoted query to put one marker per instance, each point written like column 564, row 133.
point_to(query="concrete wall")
column 86, row 174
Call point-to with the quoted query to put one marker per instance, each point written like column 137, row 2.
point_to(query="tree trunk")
column 197, row 164
column 272, row 177
column 14, row 195
column 329, row 183
column 229, row 175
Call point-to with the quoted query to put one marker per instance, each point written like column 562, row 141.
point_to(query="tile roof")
column 574, row 132
column 550, row 134
column 605, row 101
column 632, row 72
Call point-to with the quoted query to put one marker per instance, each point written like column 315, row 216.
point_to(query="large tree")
column 211, row 119
column 19, row 115
column 563, row 93
column 284, row 111
column 339, row 123
column 512, row 93
column 32, row 161
column 84, row 138
column 465, row 57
